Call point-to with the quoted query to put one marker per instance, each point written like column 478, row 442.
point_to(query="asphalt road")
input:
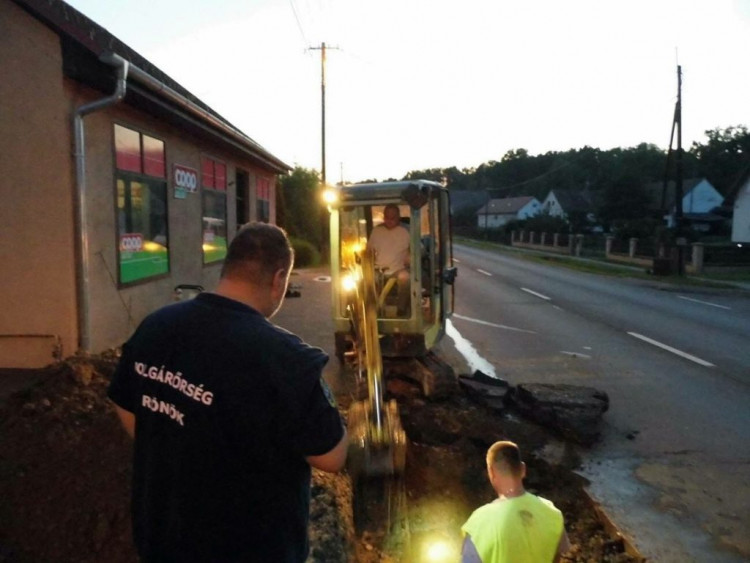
column 673, row 467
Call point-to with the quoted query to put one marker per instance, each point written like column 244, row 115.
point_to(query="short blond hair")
column 505, row 457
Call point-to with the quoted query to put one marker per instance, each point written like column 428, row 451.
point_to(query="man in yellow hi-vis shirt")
column 517, row 526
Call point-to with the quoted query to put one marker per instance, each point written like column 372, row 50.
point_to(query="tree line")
column 616, row 176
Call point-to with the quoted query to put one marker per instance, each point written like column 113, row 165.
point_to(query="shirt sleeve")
column 469, row 551
column 322, row 426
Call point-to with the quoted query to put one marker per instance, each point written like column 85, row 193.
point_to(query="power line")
column 299, row 25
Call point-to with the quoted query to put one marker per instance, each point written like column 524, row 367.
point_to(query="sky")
column 417, row 84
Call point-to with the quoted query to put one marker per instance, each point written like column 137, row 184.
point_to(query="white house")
column 563, row 203
column 741, row 216
column 498, row 212
column 699, row 198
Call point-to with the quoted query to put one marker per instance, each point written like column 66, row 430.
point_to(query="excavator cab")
column 425, row 211
column 368, row 325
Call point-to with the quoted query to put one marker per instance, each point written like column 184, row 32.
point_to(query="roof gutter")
column 84, row 303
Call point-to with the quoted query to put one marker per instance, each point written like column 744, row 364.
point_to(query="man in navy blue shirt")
column 228, row 412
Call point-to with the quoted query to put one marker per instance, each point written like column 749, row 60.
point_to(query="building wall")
column 530, row 209
column 116, row 310
column 701, row 199
column 37, row 287
column 552, row 206
column 741, row 217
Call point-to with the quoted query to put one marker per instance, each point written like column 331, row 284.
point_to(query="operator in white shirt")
column 390, row 241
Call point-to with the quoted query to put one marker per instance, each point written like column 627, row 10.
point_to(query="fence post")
column 543, row 239
column 556, row 240
column 579, row 244
column 633, row 247
column 608, row 245
column 532, row 235
column 698, row 253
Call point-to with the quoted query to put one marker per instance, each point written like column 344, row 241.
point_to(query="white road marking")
column 576, row 354
column 467, row 350
column 457, row 261
column 483, row 272
column 673, row 350
column 539, row 295
column 494, row 325
column 704, row 302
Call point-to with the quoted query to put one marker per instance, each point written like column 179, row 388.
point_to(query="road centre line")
column 673, row 350
column 704, row 302
column 539, row 295
column 494, row 325
column 483, row 272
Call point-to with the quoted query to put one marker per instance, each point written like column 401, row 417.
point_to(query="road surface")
column 673, row 467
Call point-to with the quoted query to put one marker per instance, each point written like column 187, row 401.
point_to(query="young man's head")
column 260, row 259
column 504, row 466
column 391, row 216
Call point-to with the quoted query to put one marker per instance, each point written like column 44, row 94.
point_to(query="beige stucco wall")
column 115, row 311
column 38, row 289
column 37, row 285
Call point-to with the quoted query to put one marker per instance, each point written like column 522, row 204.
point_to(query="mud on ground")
column 65, row 477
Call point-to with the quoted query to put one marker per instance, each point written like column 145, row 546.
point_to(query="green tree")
column 723, row 156
column 304, row 214
column 625, row 199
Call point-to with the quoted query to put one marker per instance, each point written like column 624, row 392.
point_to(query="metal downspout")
column 84, row 324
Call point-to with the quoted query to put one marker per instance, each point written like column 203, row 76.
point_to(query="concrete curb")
column 612, row 528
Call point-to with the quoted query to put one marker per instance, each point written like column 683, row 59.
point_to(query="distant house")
column 567, row 204
column 741, row 215
column 698, row 199
column 497, row 212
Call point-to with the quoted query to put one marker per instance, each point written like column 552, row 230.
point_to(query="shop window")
column 214, row 196
column 264, row 200
column 142, row 230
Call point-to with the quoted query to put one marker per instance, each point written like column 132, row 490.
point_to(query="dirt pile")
column 65, row 476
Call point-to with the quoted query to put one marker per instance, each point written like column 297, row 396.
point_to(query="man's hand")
column 127, row 419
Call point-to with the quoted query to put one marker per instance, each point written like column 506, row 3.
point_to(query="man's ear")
column 280, row 279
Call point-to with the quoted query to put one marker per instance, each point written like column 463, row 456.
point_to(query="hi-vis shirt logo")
column 177, row 382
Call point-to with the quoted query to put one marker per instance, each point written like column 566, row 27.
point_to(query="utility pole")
column 324, row 212
column 677, row 217
column 678, row 180
column 322, row 50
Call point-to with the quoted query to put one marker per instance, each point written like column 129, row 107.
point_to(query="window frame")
column 209, row 188
column 152, row 182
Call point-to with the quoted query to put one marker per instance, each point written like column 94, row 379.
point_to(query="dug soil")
column 65, row 469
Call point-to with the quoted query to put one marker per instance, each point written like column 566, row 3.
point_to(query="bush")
column 305, row 253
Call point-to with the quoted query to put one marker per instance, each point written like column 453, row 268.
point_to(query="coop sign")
column 185, row 180
column 131, row 242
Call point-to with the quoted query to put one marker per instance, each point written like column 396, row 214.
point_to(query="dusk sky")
column 414, row 84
